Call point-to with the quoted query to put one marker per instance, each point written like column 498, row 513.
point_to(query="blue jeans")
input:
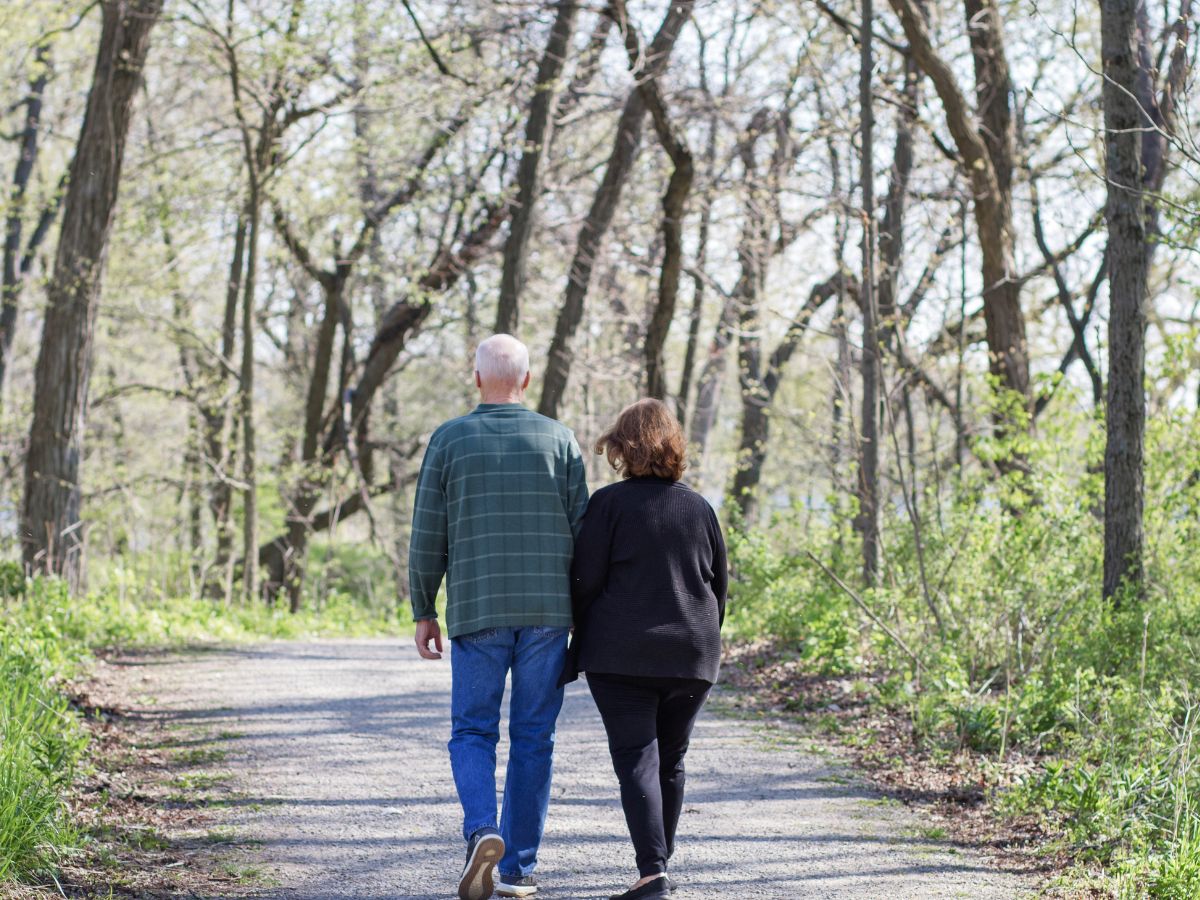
column 479, row 664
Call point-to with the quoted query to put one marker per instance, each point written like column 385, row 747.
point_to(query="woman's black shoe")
column 658, row 889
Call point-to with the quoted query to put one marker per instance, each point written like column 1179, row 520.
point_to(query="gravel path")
column 340, row 754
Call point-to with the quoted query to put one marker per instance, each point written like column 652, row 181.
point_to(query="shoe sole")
column 476, row 882
column 509, row 891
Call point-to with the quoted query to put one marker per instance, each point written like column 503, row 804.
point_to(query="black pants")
column 649, row 722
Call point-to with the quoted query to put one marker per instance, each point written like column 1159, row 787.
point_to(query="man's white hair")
column 502, row 359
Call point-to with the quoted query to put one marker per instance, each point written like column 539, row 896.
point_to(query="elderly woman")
column 648, row 588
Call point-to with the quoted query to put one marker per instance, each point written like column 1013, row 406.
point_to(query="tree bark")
column 51, row 528
column 674, row 201
column 868, row 467
column 542, row 111
column 246, row 400
column 752, row 256
column 17, row 263
column 679, row 186
column 754, row 252
column 708, row 386
column 891, row 230
column 757, row 403
column 698, row 284
column 604, row 205
column 304, row 498
column 1128, row 260
column 218, row 422
column 987, row 161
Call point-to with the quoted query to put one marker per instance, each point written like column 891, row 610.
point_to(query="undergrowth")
column 46, row 637
column 1001, row 641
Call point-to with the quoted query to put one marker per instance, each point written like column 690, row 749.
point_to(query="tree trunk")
column 16, row 264
column 891, row 231
column 306, row 494
column 538, row 130
column 752, row 255
column 698, row 285
column 1160, row 108
column 708, row 387
column 674, row 199
column 246, row 402
column 402, row 319
column 194, row 469
column 868, row 467
column 679, row 186
column 51, row 528
column 1005, row 323
column 218, row 431
column 758, row 396
column 987, row 160
column 754, row 251
column 1128, row 262
column 604, row 205
column 842, row 399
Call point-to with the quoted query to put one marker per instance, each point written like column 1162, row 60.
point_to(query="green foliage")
column 41, row 741
column 45, row 638
column 998, row 593
column 780, row 594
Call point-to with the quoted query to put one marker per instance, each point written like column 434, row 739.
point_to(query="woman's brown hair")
column 646, row 439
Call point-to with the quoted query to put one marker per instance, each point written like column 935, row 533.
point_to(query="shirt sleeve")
column 577, row 492
column 589, row 568
column 427, row 547
column 720, row 582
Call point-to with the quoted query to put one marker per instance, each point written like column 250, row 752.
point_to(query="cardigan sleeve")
column 720, row 582
column 589, row 568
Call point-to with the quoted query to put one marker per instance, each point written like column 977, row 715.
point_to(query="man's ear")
column 478, row 381
column 525, row 383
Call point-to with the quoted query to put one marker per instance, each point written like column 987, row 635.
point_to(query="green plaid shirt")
column 499, row 499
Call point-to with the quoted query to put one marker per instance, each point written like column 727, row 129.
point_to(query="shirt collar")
column 489, row 407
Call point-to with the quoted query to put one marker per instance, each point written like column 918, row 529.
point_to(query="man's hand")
column 429, row 630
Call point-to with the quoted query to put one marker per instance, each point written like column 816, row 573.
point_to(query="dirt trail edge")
column 339, row 751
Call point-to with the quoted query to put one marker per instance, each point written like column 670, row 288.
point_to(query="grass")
column 199, row 756
column 46, row 639
column 41, row 745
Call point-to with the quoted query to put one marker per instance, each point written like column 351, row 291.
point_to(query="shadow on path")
column 340, row 753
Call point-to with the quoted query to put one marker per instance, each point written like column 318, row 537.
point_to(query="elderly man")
column 499, row 499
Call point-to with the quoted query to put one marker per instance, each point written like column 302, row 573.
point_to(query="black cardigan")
column 648, row 583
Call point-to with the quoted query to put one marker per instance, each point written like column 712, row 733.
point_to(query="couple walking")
column 502, row 513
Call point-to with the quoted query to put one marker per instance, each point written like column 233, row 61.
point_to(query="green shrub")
column 45, row 637
column 780, row 594
column 41, row 740
column 997, row 591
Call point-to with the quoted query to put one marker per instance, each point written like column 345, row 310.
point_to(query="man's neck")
column 501, row 398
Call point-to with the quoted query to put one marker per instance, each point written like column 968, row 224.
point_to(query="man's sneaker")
column 483, row 852
column 516, row 885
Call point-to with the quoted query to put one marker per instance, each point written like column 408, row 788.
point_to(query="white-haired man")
column 499, row 499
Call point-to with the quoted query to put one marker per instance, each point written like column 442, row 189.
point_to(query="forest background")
column 923, row 294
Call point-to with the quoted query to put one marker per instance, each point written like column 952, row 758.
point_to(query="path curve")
column 338, row 748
